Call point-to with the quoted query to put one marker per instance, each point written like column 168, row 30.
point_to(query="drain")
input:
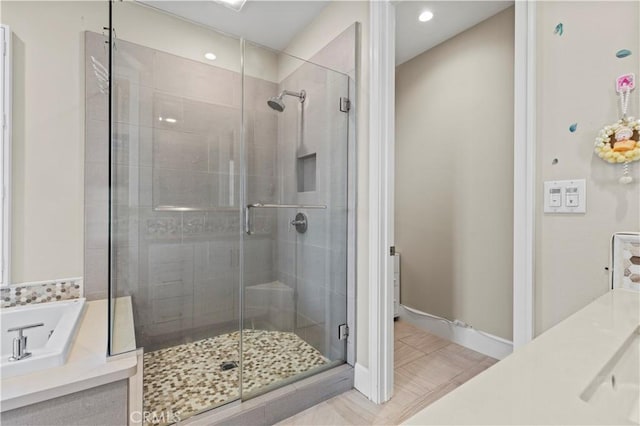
column 228, row 365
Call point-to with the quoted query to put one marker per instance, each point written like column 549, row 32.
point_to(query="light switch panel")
column 565, row 196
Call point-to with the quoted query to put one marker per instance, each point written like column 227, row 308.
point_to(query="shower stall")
column 229, row 206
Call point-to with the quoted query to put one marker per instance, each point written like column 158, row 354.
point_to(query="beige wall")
column 332, row 21
column 48, row 134
column 48, row 116
column 454, row 177
column 575, row 81
column 152, row 28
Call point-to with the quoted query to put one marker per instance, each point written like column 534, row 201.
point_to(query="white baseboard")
column 485, row 343
column 362, row 380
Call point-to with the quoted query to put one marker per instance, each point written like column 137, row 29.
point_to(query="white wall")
column 575, row 82
column 48, row 138
column 332, row 21
column 454, row 177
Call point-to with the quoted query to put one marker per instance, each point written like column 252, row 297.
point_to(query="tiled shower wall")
column 180, row 267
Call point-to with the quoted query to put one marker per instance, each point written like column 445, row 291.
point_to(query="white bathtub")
column 49, row 344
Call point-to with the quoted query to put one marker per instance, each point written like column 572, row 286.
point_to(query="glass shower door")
column 175, row 205
column 294, row 248
column 228, row 210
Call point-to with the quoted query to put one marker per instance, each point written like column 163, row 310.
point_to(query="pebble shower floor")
column 187, row 379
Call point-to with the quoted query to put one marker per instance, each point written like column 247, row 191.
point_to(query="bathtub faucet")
column 20, row 342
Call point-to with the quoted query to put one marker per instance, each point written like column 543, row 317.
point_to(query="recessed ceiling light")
column 170, row 120
column 425, row 16
column 232, row 4
column 210, row 56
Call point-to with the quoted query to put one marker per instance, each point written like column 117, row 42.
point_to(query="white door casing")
column 378, row 383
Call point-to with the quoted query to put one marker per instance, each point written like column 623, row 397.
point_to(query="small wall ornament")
column 619, row 143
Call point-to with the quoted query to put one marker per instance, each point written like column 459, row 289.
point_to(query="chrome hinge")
column 343, row 331
column 345, row 104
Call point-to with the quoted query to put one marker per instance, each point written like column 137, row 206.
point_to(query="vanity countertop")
column 541, row 382
column 87, row 366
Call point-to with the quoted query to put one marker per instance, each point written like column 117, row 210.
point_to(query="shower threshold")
column 289, row 399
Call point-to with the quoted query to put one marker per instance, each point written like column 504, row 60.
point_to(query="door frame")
column 5, row 155
column 379, row 385
column 382, row 23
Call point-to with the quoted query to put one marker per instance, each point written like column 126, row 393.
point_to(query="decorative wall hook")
column 619, row 143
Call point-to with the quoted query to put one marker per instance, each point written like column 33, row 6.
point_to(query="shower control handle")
column 300, row 223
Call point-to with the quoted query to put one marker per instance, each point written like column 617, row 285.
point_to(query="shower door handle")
column 247, row 214
column 247, row 220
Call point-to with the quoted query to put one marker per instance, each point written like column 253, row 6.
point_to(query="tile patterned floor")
column 426, row 368
column 187, row 378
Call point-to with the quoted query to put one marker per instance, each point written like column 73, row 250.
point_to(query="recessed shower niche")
column 306, row 172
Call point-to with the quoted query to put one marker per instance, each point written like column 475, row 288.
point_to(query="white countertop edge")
column 541, row 382
column 87, row 366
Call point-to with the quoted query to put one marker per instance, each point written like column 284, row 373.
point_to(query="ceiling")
column 269, row 23
column 275, row 23
column 449, row 18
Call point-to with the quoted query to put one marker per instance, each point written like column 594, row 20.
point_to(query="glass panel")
column 175, row 224
column 293, row 258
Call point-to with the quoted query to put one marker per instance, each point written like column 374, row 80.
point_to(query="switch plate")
column 565, row 196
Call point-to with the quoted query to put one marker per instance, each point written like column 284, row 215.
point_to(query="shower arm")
column 247, row 215
column 302, row 95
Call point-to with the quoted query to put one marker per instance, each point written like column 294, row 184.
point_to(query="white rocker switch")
column 555, row 197
column 572, row 196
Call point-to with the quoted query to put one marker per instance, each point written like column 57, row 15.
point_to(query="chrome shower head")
column 276, row 103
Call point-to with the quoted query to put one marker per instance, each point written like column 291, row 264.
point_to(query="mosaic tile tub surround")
column 188, row 378
column 41, row 292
